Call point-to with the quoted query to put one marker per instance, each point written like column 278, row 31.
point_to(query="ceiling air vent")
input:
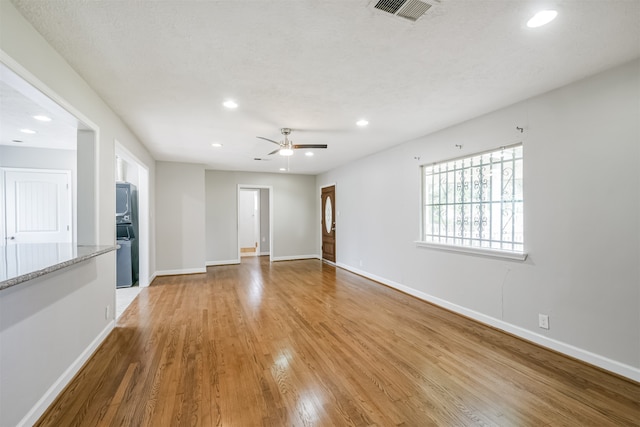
column 407, row 9
column 390, row 6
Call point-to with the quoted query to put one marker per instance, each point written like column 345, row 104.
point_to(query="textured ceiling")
column 318, row 66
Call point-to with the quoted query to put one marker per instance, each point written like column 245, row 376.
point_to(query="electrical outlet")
column 107, row 312
column 543, row 321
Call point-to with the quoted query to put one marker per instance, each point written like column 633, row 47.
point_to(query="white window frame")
column 475, row 239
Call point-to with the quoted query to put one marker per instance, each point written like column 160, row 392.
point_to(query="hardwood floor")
column 302, row 343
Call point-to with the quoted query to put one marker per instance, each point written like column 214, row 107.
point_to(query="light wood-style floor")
column 302, row 343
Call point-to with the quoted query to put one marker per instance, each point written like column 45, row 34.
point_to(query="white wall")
column 48, row 325
column 294, row 217
column 180, row 221
column 582, row 221
column 38, row 158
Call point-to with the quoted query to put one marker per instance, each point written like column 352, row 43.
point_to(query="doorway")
column 131, row 170
column 255, row 208
column 249, row 222
column 328, row 198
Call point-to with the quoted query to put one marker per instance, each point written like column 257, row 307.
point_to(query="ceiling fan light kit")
column 230, row 104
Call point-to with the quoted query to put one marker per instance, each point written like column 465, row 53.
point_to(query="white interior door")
column 249, row 222
column 37, row 206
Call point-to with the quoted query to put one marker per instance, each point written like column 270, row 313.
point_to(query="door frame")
column 255, row 187
column 332, row 184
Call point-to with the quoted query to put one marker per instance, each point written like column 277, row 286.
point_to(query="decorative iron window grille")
column 476, row 201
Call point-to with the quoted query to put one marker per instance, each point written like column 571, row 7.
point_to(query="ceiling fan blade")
column 267, row 139
column 310, row 146
column 273, row 152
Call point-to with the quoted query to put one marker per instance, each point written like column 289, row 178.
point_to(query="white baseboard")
column 264, row 253
column 181, row 271
column 603, row 362
column 227, row 262
column 153, row 276
column 294, row 257
column 41, row 405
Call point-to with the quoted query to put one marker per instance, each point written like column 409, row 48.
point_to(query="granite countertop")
column 25, row 261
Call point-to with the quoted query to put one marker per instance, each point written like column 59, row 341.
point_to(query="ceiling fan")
column 286, row 147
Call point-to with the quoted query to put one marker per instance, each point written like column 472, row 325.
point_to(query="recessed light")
column 17, row 141
column 230, row 104
column 309, row 154
column 216, row 145
column 42, row 118
column 362, row 122
column 283, row 169
column 29, row 131
column 542, row 18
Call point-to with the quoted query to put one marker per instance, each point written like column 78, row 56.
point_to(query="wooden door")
column 38, row 206
column 329, row 223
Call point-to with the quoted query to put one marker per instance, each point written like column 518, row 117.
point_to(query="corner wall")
column 582, row 221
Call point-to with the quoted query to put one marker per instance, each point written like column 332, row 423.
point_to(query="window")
column 476, row 202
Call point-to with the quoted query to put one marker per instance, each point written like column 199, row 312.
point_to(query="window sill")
column 493, row 253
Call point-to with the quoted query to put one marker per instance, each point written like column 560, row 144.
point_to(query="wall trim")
column 294, row 257
column 56, row 388
column 225, row 262
column 181, row 271
column 583, row 355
